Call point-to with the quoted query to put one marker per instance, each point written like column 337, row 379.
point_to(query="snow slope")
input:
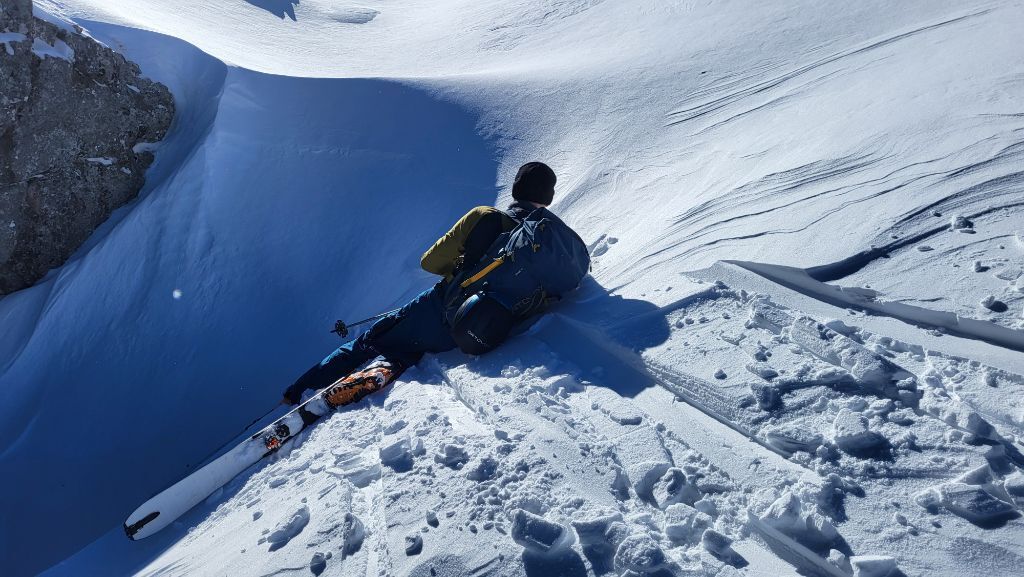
column 320, row 146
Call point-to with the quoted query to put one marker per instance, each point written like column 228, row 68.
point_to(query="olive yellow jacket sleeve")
column 442, row 258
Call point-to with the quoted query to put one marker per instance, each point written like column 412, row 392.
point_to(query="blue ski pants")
column 402, row 338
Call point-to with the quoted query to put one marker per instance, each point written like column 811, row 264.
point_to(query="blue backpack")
column 525, row 269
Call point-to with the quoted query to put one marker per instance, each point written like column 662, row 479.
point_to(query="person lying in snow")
column 498, row 268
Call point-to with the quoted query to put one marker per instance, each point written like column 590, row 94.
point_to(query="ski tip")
column 132, row 530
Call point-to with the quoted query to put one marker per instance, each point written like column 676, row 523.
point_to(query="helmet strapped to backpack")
column 481, row 324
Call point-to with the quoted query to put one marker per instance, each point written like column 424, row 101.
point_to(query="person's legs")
column 345, row 359
column 402, row 338
column 420, row 329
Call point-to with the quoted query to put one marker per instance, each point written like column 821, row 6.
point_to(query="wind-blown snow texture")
column 843, row 397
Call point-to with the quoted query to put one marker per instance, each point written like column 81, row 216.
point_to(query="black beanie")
column 535, row 182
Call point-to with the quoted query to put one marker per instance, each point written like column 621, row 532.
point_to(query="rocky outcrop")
column 77, row 122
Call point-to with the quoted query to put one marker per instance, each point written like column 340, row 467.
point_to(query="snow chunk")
column 683, row 523
column 453, row 456
column 790, row 437
column 59, row 50
column 851, row 434
column 644, row 475
column 869, row 369
column 354, row 533
column 839, row 560
column 639, row 553
column 872, row 565
column 971, row 502
column 538, row 534
column 993, row 304
column 625, row 414
column 397, row 455
column 716, row 543
column 592, row 524
column 767, row 395
column 787, row 516
column 1014, row 484
column 395, row 426
column 318, row 563
column 286, row 530
column 674, row 487
column 957, row 222
column 413, row 544
column 104, row 160
column 482, row 469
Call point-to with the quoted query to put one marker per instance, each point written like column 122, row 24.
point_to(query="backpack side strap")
column 483, row 272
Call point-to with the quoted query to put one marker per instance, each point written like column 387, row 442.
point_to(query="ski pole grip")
column 340, row 329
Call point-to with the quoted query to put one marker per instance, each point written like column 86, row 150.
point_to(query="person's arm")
column 442, row 258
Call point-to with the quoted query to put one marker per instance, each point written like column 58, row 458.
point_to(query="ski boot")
column 354, row 387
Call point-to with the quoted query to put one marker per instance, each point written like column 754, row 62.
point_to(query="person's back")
column 428, row 323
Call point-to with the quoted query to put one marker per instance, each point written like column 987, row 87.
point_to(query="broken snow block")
column 616, row 534
column 673, row 487
column 929, row 499
column 644, row 475
column 839, row 560
column 720, row 547
column 851, row 434
column 624, row 413
column 318, row 563
column 482, row 469
column 716, row 542
column 763, row 370
column 872, row 565
column 592, row 524
column 868, row 369
column 288, row 528
column 765, row 314
column 1014, row 485
column 993, row 304
column 453, row 456
column 976, row 424
column 786, row 515
column 766, row 394
column 639, row 553
column 353, row 533
column 397, row 455
column 973, row 503
column 793, row 437
column 684, row 523
column 977, row 476
column 538, row 534
column 957, row 222
column 413, row 544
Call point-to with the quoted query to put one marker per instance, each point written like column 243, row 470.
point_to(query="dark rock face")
column 77, row 122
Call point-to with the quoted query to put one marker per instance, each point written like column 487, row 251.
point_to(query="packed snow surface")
column 799, row 351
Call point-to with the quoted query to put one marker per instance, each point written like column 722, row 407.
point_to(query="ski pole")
column 207, row 458
column 341, row 329
column 258, row 419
